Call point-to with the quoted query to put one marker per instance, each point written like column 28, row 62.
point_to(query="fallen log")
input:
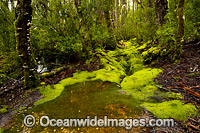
column 53, row 72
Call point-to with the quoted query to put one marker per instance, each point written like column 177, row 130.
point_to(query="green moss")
column 107, row 75
column 136, row 67
column 1, row 130
column 50, row 92
column 42, row 83
column 54, row 72
column 4, row 109
column 136, row 64
column 89, row 61
column 169, row 95
column 153, row 50
column 144, row 93
column 44, row 74
column 172, row 109
column 113, row 53
column 128, row 44
column 58, row 69
column 78, row 77
column 135, row 60
column 140, row 85
column 22, row 108
column 174, row 95
column 124, row 63
column 129, row 52
column 140, row 79
column 142, row 46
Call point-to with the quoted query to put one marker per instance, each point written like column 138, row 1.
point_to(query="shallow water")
column 94, row 98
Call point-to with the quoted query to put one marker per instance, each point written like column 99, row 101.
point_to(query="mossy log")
column 23, row 23
column 53, row 72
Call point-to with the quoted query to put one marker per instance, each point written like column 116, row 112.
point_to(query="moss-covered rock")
column 140, row 84
column 50, row 92
column 107, row 75
column 172, row 109
column 140, row 79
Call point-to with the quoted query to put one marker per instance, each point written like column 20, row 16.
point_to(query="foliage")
column 7, row 31
column 63, row 30
column 10, row 67
column 192, row 19
column 4, row 109
column 9, row 61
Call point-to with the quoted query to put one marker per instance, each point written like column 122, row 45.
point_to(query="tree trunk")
column 107, row 10
column 23, row 24
column 123, row 12
column 161, row 7
column 148, row 14
column 116, row 13
column 79, row 11
column 181, row 26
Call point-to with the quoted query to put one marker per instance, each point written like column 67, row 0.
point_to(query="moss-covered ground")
column 98, row 92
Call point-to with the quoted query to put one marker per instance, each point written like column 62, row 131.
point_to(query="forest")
column 124, row 59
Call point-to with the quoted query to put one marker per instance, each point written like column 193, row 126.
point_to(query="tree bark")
column 116, row 13
column 161, row 7
column 107, row 9
column 79, row 11
column 123, row 12
column 23, row 23
column 181, row 26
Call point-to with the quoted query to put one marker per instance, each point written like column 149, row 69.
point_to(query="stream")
column 111, row 92
column 93, row 98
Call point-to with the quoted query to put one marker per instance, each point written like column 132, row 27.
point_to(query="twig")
column 163, row 88
column 195, row 87
column 191, row 91
column 172, row 70
column 195, row 68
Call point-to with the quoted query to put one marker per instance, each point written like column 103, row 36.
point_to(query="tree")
column 123, row 12
column 7, row 39
column 23, row 24
column 116, row 13
column 160, row 10
column 181, row 26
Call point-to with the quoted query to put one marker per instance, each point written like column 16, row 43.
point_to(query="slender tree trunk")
column 128, row 5
column 161, row 7
column 123, row 12
column 77, row 4
column 148, row 14
column 116, row 13
column 181, row 26
column 23, row 24
column 107, row 10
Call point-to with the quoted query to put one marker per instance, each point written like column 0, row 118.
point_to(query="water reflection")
column 94, row 98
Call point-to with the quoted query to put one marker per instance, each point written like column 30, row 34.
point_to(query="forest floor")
column 181, row 77
column 184, row 77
